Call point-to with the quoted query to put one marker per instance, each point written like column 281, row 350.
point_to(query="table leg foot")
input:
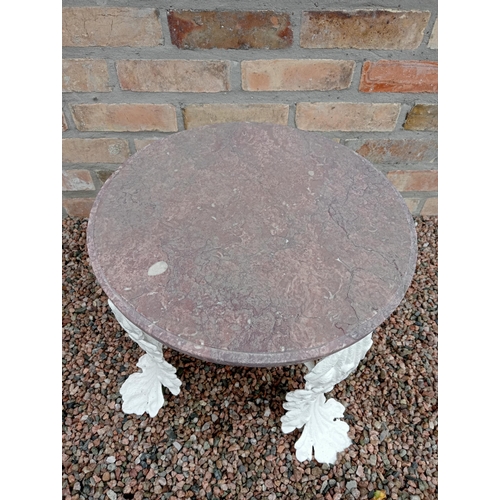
column 309, row 408
column 142, row 392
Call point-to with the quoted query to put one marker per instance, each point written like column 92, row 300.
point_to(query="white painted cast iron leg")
column 308, row 407
column 143, row 391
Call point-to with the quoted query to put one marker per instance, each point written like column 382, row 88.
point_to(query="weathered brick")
column 77, row 180
column 412, row 204
column 433, row 40
column 125, row 117
column 414, row 180
column 94, row 150
column 399, row 76
column 197, row 115
column 292, row 74
column 78, row 207
column 85, row 75
column 142, row 143
column 363, row 29
column 430, row 207
column 64, row 123
column 347, row 116
column 230, row 29
column 110, row 27
column 422, row 117
column 174, row 75
column 396, row 150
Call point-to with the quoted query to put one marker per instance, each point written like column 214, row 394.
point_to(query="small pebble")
column 323, row 486
column 351, row 484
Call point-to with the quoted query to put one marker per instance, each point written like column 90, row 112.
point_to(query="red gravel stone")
column 404, row 346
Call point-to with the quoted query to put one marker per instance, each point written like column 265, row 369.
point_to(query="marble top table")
column 251, row 244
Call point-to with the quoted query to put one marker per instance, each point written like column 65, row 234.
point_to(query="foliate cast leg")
column 142, row 392
column 309, row 408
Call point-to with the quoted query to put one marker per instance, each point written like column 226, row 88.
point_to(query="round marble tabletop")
column 252, row 244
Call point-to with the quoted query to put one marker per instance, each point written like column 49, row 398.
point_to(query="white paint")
column 158, row 268
column 311, row 173
column 309, row 364
column 142, row 392
column 309, row 408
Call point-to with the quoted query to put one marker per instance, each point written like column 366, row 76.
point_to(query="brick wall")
column 135, row 71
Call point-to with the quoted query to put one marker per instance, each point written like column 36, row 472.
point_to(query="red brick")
column 94, row 150
column 85, row 75
column 174, row 75
column 347, row 116
column 78, row 207
column 422, row 117
column 197, row 115
column 430, row 207
column 399, row 76
column 414, row 180
column 110, row 27
column 396, row 150
column 230, row 29
column 293, row 74
column 64, row 123
column 125, row 117
column 363, row 29
column 77, row 180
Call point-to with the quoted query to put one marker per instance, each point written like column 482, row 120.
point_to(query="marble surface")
column 252, row 244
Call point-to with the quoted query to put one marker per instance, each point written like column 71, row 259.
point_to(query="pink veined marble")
column 252, row 244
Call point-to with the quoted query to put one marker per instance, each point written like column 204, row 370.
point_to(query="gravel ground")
column 221, row 437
